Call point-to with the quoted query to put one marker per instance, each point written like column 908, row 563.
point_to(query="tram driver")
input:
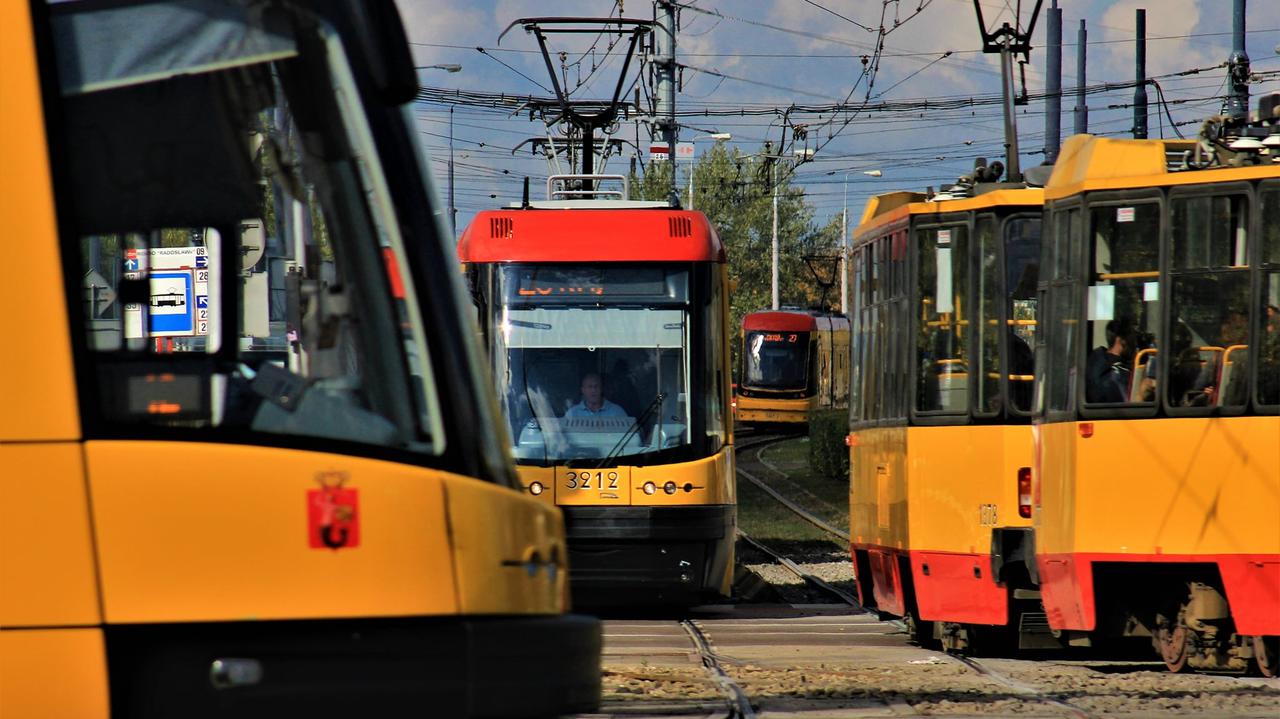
column 593, row 403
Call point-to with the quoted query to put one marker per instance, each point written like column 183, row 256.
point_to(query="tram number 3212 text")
column 592, row 480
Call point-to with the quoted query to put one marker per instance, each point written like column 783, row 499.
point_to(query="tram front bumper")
column 768, row 410
column 622, row 555
column 495, row 666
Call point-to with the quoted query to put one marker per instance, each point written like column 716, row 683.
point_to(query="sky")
column 770, row 55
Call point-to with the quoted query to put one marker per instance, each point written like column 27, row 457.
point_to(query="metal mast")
column 1009, row 41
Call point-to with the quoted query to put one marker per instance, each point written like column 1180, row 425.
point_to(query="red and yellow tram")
column 1158, row 491
column 944, row 316
column 606, row 322
column 793, row 362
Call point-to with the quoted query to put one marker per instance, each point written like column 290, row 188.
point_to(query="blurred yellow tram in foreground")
column 944, row 316
column 235, row 446
column 1158, row 490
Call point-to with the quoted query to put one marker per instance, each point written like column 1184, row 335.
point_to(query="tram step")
column 1034, row 632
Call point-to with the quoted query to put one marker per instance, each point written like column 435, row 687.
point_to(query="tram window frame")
column 855, row 340
column 950, row 221
column 422, row 438
column 1177, row 271
column 1056, row 369
column 1266, row 270
column 994, row 401
column 1113, row 202
column 1012, row 410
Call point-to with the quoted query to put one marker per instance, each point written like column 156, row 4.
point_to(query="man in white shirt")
column 593, row 403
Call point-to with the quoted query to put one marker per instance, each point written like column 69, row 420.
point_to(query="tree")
column 733, row 190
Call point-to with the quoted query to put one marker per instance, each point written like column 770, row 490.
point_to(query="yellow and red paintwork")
column 1193, row 489
column 916, row 493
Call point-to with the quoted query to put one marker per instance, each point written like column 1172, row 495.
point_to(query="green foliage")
column 734, row 191
column 828, row 455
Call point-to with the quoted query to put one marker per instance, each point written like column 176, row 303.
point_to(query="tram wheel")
column 1174, row 644
column 920, row 631
column 1266, row 655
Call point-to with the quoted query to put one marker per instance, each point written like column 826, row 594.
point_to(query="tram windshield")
column 592, row 361
column 776, row 360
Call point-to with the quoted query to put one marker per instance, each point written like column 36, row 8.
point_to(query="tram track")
column 739, row 703
column 1018, row 687
column 758, row 444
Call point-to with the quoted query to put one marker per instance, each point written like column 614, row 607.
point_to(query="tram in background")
column 944, row 315
column 237, row 435
column 606, row 322
column 1158, row 489
column 793, row 362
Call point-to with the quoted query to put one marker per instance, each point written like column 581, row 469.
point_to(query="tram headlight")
column 669, row 487
column 535, row 488
column 650, row 488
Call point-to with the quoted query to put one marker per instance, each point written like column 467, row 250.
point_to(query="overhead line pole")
column 665, row 64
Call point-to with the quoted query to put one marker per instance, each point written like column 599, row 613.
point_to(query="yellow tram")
column 944, row 314
column 1158, row 493
column 607, row 324
column 793, row 362
column 239, row 387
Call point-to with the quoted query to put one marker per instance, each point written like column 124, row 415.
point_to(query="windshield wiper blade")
column 632, row 430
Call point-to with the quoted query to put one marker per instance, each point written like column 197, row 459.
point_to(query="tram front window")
column 777, row 360
column 592, row 361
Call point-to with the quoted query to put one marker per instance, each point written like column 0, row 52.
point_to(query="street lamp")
column 803, row 155
column 717, row 136
column 453, row 210
column 844, row 238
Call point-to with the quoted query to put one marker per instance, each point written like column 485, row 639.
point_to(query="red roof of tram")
column 780, row 321
column 585, row 235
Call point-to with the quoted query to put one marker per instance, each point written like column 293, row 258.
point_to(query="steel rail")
column 795, row 569
column 798, row 510
column 1018, row 687
column 739, row 703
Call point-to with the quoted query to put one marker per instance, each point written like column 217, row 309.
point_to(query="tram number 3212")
column 987, row 515
column 592, row 480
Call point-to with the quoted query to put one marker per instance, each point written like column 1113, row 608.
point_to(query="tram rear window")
column 558, row 283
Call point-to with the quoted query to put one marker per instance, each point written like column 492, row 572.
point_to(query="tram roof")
column 789, row 320
column 622, row 234
column 1087, row 162
column 897, row 206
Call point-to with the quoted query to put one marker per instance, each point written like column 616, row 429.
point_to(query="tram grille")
column 501, row 227
column 680, row 226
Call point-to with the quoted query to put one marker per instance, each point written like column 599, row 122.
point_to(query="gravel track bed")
column 639, row 682
column 1142, row 689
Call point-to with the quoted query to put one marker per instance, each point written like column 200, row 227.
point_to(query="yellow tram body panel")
column 765, row 409
column 932, row 496
column 925, row 488
column 710, row 481
column 1190, row 485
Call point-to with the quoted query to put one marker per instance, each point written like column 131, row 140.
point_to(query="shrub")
column 828, row 455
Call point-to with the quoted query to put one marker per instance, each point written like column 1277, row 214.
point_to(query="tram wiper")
column 633, row 429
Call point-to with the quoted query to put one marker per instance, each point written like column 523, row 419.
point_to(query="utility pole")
column 1082, row 108
column 773, row 276
column 453, row 208
column 1140, row 74
column 844, row 250
column 1238, row 67
column 664, row 40
column 1053, row 103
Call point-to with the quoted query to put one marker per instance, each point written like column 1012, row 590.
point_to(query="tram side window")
column 988, row 321
column 942, row 362
column 1268, row 365
column 1022, row 272
column 1209, row 307
column 236, row 258
column 855, row 340
column 1122, row 301
column 1060, row 372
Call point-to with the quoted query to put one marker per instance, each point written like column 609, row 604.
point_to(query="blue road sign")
column 131, row 264
column 202, row 302
column 171, row 303
column 202, row 261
